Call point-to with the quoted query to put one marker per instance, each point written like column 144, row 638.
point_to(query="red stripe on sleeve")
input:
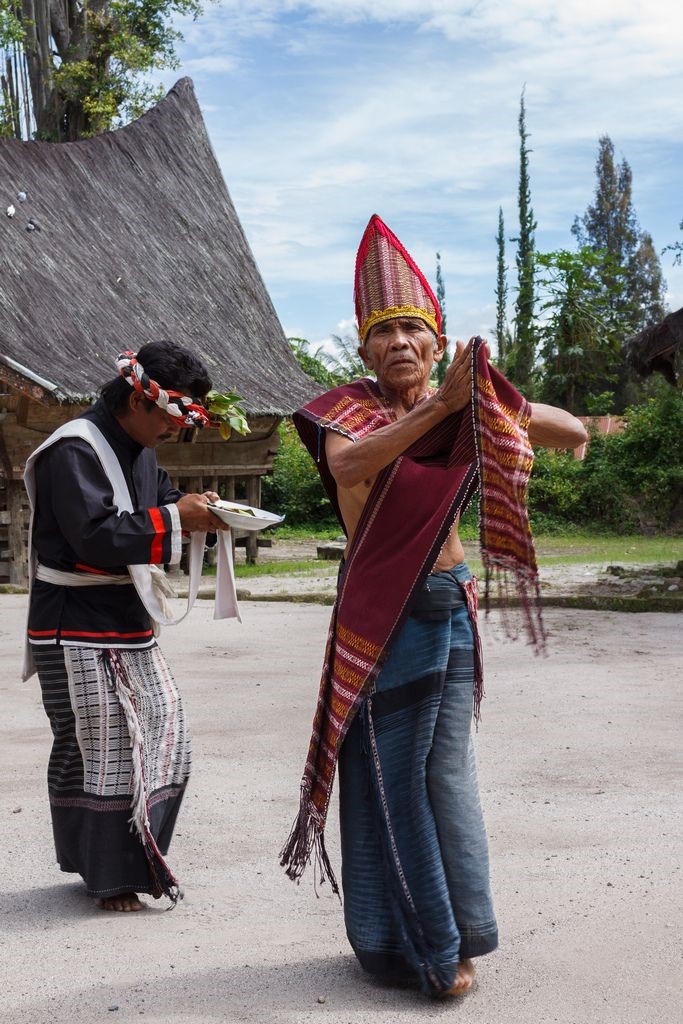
column 156, row 553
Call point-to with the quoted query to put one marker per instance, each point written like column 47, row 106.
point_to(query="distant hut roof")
column 136, row 239
column 657, row 347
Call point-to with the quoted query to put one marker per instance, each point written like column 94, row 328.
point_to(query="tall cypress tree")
column 441, row 296
column 501, row 293
column 523, row 353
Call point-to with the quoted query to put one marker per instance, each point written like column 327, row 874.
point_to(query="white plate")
column 226, row 510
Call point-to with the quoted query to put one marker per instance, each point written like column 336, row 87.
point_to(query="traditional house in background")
column 112, row 242
column 658, row 347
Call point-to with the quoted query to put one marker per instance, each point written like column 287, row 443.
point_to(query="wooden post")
column 253, row 498
column 230, row 496
column 211, row 554
column 18, row 571
column 22, row 410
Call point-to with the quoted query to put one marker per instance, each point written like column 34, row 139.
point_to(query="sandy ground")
column 578, row 761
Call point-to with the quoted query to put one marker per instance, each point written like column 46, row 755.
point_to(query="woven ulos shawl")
column 410, row 510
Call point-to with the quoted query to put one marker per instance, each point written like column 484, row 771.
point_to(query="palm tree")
column 344, row 362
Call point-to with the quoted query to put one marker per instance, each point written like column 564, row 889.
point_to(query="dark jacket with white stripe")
column 77, row 528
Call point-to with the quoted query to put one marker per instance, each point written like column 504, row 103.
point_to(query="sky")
column 322, row 113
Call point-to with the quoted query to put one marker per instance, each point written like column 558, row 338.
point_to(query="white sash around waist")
column 161, row 585
column 81, row 579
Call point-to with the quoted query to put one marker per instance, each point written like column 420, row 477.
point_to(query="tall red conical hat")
column 388, row 282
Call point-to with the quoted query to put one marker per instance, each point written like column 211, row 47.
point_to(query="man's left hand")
column 195, row 514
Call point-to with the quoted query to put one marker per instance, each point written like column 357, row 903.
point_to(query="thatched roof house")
column 658, row 347
column 135, row 238
column 114, row 241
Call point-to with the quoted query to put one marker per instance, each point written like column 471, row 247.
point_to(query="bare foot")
column 463, row 979
column 125, row 901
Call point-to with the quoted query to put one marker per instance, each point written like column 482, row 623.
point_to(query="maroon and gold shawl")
column 410, row 510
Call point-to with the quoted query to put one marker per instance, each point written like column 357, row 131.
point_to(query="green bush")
column 554, row 494
column 627, row 482
column 604, row 493
column 294, row 488
column 649, row 456
column 468, row 528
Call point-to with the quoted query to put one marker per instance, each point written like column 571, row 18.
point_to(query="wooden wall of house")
column 197, row 461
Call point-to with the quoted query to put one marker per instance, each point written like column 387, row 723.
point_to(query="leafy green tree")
column 646, row 284
column 580, row 342
column 610, row 224
column 83, row 62
column 13, row 109
column 677, row 249
column 522, row 354
column 441, row 298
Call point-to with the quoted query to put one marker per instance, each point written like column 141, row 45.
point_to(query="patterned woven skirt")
column 415, row 868
column 119, row 765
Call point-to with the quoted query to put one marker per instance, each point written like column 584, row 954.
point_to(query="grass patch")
column 305, row 567
column 551, row 549
column 580, row 548
column 588, row 547
column 309, row 531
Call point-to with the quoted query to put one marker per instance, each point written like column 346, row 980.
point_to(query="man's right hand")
column 456, row 390
column 195, row 515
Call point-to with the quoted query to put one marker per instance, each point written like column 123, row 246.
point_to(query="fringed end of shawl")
column 164, row 882
column 306, row 842
column 479, row 694
column 471, row 591
column 515, row 586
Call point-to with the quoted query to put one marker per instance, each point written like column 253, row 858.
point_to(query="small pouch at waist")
column 435, row 601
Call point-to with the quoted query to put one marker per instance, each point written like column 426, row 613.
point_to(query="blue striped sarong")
column 415, row 867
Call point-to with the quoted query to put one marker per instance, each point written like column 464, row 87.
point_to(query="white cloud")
column 340, row 108
column 211, row 65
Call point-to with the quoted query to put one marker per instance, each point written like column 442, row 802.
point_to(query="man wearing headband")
column 105, row 516
column 402, row 676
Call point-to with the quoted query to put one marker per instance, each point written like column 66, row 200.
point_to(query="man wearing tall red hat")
column 402, row 675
